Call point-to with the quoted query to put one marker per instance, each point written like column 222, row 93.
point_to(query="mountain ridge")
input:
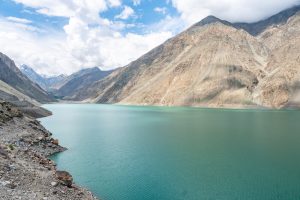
column 79, row 81
column 254, row 28
column 215, row 65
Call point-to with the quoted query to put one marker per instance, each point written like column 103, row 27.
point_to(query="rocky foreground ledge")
column 25, row 170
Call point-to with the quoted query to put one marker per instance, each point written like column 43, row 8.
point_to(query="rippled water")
column 141, row 153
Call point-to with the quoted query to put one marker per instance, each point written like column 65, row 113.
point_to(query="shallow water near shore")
column 134, row 153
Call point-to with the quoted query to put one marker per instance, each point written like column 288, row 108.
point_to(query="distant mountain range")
column 47, row 83
column 62, row 86
column 214, row 63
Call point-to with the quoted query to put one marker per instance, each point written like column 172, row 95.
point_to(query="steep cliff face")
column 12, row 76
column 214, row 63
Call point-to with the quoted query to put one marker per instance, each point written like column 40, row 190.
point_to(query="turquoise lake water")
column 159, row 153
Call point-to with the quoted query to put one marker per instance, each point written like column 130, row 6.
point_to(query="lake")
column 176, row 153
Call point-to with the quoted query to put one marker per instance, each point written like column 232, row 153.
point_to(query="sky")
column 63, row 36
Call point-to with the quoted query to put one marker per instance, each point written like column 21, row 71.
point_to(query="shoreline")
column 26, row 172
column 226, row 107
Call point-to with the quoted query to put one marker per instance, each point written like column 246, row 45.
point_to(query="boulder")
column 55, row 142
column 65, row 178
column 54, row 184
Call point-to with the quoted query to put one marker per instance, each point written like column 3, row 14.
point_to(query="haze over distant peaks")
column 63, row 86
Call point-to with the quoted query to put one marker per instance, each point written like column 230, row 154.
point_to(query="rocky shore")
column 26, row 172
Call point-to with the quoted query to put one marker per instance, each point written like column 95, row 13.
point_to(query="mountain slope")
column 214, row 63
column 28, row 105
column 12, row 76
column 80, row 81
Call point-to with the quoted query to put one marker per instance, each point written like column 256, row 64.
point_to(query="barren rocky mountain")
column 12, row 76
column 214, row 63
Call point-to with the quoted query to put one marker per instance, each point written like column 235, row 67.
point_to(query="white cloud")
column 162, row 10
column 22, row 44
column 105, row 45
column 115, row 3
column 233, row 10
column 86, row 41
column 61, row 8
column 126, row 13
column 19, row 20
column 168, row 24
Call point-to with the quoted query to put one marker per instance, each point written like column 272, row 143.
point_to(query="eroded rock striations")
column 25, row 170
column 214, row 63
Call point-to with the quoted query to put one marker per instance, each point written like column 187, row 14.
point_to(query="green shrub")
column 11, row 147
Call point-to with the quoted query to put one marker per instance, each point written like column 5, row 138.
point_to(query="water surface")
column 159, row 153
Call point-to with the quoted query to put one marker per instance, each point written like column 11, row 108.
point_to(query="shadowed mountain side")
column 79, row 82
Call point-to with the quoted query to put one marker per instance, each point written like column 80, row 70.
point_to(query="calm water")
column 153, row 153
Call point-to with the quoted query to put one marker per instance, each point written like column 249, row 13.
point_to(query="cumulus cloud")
column 87, row 40
column 233, row 10
column 22, row 44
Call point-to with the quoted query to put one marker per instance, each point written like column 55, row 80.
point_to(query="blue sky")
column 63, row 36
column 146, row 13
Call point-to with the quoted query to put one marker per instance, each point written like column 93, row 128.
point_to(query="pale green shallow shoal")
column 159, row 153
